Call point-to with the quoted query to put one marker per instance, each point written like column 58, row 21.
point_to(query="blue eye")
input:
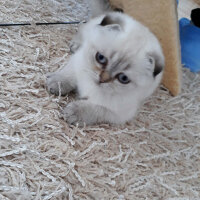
column 101, row 59
column 122, row 78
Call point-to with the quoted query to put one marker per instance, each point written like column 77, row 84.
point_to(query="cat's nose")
column 104, row 77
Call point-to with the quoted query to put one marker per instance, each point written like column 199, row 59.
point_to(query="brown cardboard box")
column 161, row 17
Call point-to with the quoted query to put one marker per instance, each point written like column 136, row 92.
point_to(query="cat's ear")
column 157, row 63
column 112, row 23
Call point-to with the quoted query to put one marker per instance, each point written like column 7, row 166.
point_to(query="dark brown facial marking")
column 127, row 67
column 105, row 77
column 113, row 54
column 118, row 64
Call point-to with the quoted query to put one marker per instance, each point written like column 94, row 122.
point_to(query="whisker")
column 94, row 74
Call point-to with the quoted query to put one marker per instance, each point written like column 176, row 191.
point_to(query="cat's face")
column 124, row 54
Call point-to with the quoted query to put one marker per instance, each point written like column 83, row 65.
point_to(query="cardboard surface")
column 161, row 17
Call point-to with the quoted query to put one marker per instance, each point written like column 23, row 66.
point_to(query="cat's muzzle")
column 105, row 77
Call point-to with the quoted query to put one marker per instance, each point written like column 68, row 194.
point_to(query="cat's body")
column 117, row 64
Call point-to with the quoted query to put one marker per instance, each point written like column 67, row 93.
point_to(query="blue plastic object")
column 190, row 45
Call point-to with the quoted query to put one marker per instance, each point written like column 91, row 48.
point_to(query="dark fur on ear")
column 157, row 70
column 111, row 20
column 119, row 10
column 158, row 61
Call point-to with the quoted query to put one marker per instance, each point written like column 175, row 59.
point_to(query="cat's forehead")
column 114, row 44
column 118, row 61
column 122, row 53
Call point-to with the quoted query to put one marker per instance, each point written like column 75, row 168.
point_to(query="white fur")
column 111, row 102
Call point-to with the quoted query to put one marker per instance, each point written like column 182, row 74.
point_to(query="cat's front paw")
column 83, row 112
column 73, row 114
column 79, row 113
column 57, row 85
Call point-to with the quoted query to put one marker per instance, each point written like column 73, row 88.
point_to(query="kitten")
column 117, row 64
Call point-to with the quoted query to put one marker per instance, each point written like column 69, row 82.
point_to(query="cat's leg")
column 62, row 81
column 84, row 112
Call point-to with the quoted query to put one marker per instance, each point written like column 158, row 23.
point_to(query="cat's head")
column 123, row 53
